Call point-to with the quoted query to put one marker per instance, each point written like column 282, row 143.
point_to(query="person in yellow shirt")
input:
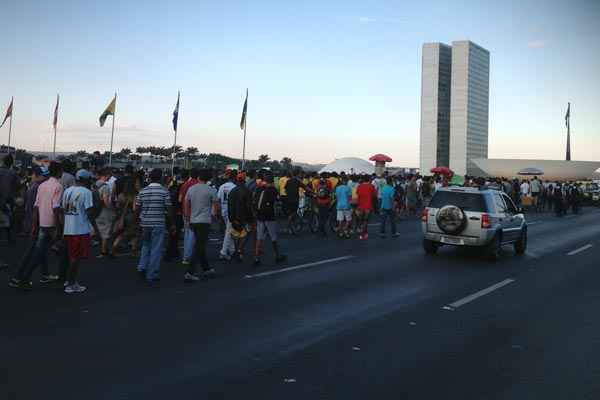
column 334, row 180
column 282, row 182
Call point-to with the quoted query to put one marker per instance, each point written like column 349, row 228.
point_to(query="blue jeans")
column 385, row 216
column 36, row 255
column 188, row 242
column 152, row 248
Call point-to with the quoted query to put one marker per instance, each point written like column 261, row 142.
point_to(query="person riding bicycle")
column 324, row 198
column 292, row 188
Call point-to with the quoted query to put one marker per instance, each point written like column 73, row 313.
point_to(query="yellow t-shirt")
column 334, row 182
column 282, row 182
column 315, row 184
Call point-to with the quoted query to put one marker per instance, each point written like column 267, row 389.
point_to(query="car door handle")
column 474, row 219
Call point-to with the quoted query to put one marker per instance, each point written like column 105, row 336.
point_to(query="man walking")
column 367, row 196
column 9, row 184
column 264, row 204
column 387, row 208
column 228, row 247
column 343, row 196
column 200, row 204
column 44, row 229
column 240, row 214
column 78, row 211
column 106, row 213
column 152, row 203
column 536, row 193
column 188, row 234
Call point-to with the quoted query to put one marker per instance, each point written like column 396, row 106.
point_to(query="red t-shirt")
column 366, row 193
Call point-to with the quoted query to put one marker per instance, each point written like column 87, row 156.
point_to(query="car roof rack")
column 490, row 186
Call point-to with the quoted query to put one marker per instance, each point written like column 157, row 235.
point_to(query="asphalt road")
column 343, row 319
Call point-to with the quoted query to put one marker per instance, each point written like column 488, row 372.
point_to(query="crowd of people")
column 63, row 209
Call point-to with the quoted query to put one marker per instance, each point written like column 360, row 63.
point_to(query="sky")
column 326, row 79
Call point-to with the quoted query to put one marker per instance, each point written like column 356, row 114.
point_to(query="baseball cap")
column 83, row 174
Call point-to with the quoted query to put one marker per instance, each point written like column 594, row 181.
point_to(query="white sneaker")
column 75, row 288
column 190, row 277
column 224, row 257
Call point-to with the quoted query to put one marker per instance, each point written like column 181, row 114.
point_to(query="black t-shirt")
column 264, row 203
column 292, row 188
column 239, row 205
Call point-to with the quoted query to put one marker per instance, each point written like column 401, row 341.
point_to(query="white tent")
column 349, row 165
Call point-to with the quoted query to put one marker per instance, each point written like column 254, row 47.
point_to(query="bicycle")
column 306, row 217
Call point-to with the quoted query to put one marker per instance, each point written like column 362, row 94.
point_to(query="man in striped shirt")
column 153, row 205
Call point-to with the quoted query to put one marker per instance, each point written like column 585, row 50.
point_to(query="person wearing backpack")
column 264, row 205
column 323, row 203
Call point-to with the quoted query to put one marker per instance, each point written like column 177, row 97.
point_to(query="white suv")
column 475, row 217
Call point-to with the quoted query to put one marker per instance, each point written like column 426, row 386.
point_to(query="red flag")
column 8, row 112
column 55, row 122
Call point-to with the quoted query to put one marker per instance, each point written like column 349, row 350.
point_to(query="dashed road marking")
column 297, row 267
column 482, row 292
column 579, row 250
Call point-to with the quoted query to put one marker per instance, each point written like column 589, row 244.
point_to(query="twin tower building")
column 454, row 106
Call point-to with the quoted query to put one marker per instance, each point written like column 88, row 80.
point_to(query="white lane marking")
column 534, row 222
column 302, row 266
column 483, row 292
column 579, row 250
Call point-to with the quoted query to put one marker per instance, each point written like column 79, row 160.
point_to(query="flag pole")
column 245, row 125
column 12, row 111
column 176, row 125
column 54, row 145
column 112, row 134
column 569, row 133
column 173, row 153
column 244, row 148
column 55, row 123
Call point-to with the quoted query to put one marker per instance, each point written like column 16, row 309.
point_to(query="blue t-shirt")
column 75, row 202
column 343, row 194
column 387, row 197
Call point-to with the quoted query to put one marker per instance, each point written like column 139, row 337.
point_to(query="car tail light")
column 486, row 222
column 425, row 216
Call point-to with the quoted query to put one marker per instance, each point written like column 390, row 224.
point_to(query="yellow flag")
column 110, row 110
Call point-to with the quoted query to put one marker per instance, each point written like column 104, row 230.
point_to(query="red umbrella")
column 380, row 158
column 442, row 171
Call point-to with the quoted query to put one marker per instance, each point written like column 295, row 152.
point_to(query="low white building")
column 349, row 165
column 553, row 169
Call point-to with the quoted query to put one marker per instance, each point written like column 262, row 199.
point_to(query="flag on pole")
column 568, row 115
column 243, row 121
column 110, row 110
column 9, row 112
column 176, row 114
column 55, row 121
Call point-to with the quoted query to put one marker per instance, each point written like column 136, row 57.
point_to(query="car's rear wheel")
column 430, row 246
column 494, row 248
column 521, row 245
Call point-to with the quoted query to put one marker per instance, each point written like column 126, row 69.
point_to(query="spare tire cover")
column 451, row 219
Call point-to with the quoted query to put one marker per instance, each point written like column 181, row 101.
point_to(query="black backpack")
column 323, row 191
column 262, row 203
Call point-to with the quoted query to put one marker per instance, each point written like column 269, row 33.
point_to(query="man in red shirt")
column 367, row 196
column 188, row 234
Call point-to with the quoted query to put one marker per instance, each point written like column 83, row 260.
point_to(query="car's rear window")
column 466, row 201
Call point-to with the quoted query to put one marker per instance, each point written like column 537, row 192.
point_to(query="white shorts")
column 344, row 215
column 264, row 227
